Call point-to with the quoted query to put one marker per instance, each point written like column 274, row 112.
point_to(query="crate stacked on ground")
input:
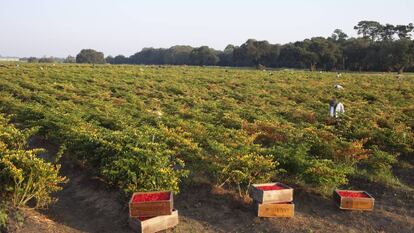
column 353, row 200
column 273, row 200
column 151, row 212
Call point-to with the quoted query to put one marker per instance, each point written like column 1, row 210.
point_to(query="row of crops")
column 150, row 128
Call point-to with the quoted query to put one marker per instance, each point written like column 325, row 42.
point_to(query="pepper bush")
column 25, row 177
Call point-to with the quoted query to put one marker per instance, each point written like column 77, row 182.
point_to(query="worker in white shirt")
column 339, row 109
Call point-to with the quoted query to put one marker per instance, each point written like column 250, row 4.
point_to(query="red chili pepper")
column 353, row 194
column 147, row 197
column 270, row 187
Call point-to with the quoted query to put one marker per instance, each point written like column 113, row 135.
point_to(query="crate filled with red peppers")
column 273, row 200
column 150, row 204
column 151, row 212
column 353, row 200
column 271, row 193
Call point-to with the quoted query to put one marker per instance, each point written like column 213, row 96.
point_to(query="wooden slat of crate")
column 150, row 209
column 347, row 203
column 272, row 196
column 278, row 210
column 154, row 224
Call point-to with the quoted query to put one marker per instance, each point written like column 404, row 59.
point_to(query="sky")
column 63, row 27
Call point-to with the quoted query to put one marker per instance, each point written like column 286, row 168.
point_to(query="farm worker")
column 339, row 109
column 332, row 105
column 340, row 87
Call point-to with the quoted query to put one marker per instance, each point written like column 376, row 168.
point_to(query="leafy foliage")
column 28, row 178
column 150, row 127
column 3, row 217
column 23, row 176
column 244, row 170
column 378, row 167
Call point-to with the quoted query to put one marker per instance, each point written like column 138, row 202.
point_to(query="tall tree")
column 355, row 51
column 290, row 56
column 323, row 53
column 271, row 58
column 252, row 52
column 403, row 31
column 90, row 56
column 387, row 32
column 178, row 55
column 226, row 57
column 369, row 29
column 339, row 36
column 398, row 55
column 204, row 56
column 310, row 58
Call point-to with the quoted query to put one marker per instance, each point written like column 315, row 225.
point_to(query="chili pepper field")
column 145, row 128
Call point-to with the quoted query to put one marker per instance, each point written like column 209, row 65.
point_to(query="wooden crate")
column 284, row 194
column 353, row 200
column 154, row 224
column 150, row 204
column 275, row 210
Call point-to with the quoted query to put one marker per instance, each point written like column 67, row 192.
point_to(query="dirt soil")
column 87, row 205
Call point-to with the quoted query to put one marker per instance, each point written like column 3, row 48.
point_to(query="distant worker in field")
column 335, row 109
column 339, row 109
column 332, row 105
column 339, row 87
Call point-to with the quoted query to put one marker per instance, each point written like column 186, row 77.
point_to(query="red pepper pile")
column 270, row 187
column 147, row 197
column 353, row 194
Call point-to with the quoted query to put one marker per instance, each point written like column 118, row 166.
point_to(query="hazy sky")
column 64, row 27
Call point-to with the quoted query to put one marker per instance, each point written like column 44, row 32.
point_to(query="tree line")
column 378, row 47
column 69, row 59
